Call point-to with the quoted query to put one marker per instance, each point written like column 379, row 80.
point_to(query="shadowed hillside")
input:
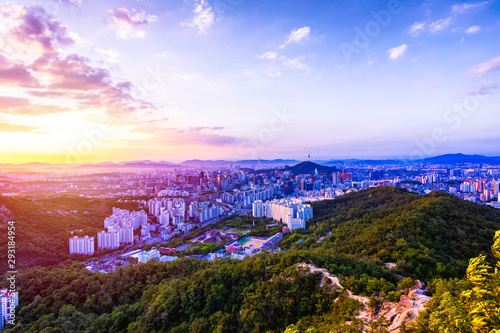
column 430, row 235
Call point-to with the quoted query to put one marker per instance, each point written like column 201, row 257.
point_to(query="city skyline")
column 82, row 81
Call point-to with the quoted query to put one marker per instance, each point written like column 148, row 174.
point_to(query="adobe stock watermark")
column 92, row 139
column 364, row 36
column 454, row 118
column 251, row 147
column 151, row 80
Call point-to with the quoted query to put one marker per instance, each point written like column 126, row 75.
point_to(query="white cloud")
column 190, row 76
column 463, row 7
column 439, row 25
column 204, row 16
column 485, row 89
column 298, row 36
column 434, row 27
column 416, row 28
column 126, row 23
column 111, row 54
column 473, row 29
column 397, row 51
column 296, row 63
column 269, row 55
column 75, row 37
column 274, row 74
column 489, row 66
column 442, row 24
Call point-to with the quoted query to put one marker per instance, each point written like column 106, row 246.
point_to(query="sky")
column 94, row 81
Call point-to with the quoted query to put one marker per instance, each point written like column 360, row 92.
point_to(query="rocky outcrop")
column 405, row 310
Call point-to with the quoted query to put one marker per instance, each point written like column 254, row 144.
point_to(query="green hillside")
column 43, row 226
column 310, row 168
column 431, row 236
column 427, row 236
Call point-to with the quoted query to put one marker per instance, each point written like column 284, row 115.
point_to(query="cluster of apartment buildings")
column 245, row 199
column 120, row 228
column 291, row 211
column 122, row 218
column 120, row 231
column 81, row 245
column 174, row 211
column 173, row 193
column 486, row 190
column 168, row 210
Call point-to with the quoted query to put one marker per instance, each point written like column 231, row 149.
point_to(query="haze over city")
column 84, row 81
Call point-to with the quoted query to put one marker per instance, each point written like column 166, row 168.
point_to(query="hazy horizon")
column 239, row 160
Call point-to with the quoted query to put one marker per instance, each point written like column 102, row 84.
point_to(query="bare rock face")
column 419, row 284
column 419, row 291
column 405, row 310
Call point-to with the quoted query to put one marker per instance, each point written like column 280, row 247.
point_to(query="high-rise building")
column 193, row 208
column 108, row 240
column 345, row 176
column 336, row 178
column 126, row 235
column 258, row 209
column 81, row 245
column 296, row 223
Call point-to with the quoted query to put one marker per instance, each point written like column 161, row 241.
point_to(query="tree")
column 477, row 308
column 483, row 299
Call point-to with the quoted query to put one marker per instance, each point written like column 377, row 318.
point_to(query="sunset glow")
column 85, row 81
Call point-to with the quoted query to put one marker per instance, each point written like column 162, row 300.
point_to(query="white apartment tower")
column 126, row 235
column 258, row 209
column 81, row 245
column 108, row 240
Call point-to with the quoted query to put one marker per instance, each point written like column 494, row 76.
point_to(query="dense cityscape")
column 175, row 201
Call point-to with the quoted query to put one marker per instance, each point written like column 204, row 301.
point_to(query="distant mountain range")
column 249, row 163
column 295, row 166
column 136, row 165
column 309, row 168
column 461, row 158
column 441, row 159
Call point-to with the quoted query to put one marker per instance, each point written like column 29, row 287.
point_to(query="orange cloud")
column 8, row 127
column 14, row 74
column 18, row 105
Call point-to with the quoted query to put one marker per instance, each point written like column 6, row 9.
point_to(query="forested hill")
column 431, row 236
column 428, row 236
